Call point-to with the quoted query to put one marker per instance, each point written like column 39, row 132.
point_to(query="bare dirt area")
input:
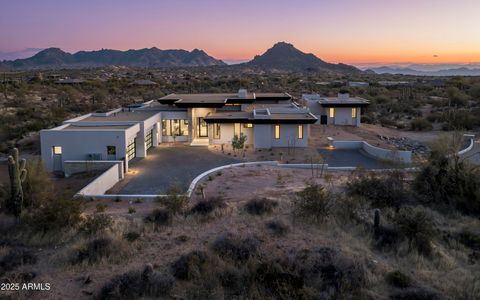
column 342, row 240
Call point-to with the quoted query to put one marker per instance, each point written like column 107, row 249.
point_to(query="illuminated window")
column 237, row 130
column 216, row 131
column 300, row 131
column 332, row 112
column 277, row 132
column 57, row 150
column 354, row 112
column 175, row 127
column 248, row 125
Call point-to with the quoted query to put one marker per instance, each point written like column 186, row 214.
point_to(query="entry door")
column 202, row 128
column 57, row 162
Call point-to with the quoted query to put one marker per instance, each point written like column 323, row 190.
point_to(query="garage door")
column 149, row 140
column 131, row 149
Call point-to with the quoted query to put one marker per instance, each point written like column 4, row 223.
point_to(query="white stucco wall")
column 343, row 116
column 380, row 153
column 102, row 183
column 227, row 133
column 76, row 145
column 264, row 136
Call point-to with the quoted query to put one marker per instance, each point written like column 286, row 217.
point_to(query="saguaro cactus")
column 18, row 174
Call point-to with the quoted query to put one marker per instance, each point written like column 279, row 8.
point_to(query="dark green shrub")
column 387, row 237
column 176, row 200
column 93, row 251
column 160, row 216
column 190, row 265
column 420, row 124
column 260, row 206
column 450, row 181
column 313, row 203
column 131, row 236
column 277, row 227
column 55, row 213
column 469, row 239
column 206, row 207
column 385, row 190
column 398, row 279
column 228, row 246
column 417, row 227
column 138, row 284
column 95, row 223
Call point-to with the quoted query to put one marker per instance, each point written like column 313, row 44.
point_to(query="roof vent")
column 343, row 96
column 242, row 93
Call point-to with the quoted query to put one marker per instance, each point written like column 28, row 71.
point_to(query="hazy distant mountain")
column 285, row 57
column 428, row 70
column 53, row 58
column 23, row 53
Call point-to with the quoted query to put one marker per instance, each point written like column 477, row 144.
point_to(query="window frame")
column 331, row 112
column 55, row 150
column 109, row 148
column 216, row 131
column 300, row 132
column 354, row 112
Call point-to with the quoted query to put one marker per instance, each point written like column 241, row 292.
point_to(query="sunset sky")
column 349, row 31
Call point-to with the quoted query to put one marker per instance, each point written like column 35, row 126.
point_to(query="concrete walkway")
column 474, row 154
column 166, row 166
column 353, row 158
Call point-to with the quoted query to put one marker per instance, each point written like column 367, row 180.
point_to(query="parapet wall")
column 377, row 152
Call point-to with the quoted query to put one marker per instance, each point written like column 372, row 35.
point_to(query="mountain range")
column 429, row 70
column 281, row 57
column 54, row 58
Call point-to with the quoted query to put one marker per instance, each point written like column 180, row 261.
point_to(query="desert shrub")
column 416, row 294
column 277, row 227
column 206, row 207
column 131, row 236
column 417, row 227
column 132, row 210
column 313, row 203
column 101, row 207
column 175, row 201
column 228, row 246
column 93, row 251
column 235, row 281
column 190, row 265
column 37, row 185
column 276, row 281
column 420, row 124
column 260, row 206
column 55, row 213
column 95, row 223
column 331, row 274
column 160, row 216
column 387, row 237
column 469, row 239
column 450, row 181
column 386, row 190
column 398, row 279
column 17, row 257
column 138, row 284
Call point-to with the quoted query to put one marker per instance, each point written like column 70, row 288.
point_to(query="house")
column 340, row 110
column 266, row 119
column 358, row 84
column 143, row 82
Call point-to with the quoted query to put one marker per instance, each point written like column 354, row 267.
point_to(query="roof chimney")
column 343, row 96
column 242, row 93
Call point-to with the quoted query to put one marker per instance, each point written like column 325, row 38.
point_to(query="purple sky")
column 351, row 31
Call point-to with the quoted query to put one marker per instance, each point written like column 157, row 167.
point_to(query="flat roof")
column 96, row 127
column 335, row 101
column 287, row 116
column 122, row 116
column 220, row 98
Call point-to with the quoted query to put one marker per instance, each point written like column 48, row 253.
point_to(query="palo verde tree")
column 18, row 174
column 238, row 142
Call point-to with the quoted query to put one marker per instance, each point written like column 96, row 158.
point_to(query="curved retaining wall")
column 377, row 152
column 469, row 147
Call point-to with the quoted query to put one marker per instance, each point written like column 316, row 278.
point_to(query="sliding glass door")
column 202, row 128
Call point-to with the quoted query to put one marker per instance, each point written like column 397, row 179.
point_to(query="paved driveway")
column 167, row 165
column 353, row 158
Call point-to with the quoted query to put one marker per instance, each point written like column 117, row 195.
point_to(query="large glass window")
column 149, row 140
column 131, row 151
column 175, row 127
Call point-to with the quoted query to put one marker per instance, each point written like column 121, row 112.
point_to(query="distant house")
column 358, row 84
column 70, row 81
column 143, row 82
column 341, row 110
column 393, row 83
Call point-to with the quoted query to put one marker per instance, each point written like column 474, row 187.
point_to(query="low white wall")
column 470, row 145
column 380, row 153
column 79, row 166
column 102, row 183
